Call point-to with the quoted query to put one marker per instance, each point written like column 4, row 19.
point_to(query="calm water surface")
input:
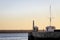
column 13, row 36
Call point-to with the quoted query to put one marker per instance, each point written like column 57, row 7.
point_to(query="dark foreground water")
column 13, row 36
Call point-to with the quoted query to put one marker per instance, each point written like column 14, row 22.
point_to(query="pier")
column 15, row 31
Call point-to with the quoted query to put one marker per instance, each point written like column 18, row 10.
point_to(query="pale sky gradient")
column 18, row 14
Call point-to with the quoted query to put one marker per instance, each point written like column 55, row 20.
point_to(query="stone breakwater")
column 43, row 35
column 46, row 34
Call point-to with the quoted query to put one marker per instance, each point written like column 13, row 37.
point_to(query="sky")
column 19, row 14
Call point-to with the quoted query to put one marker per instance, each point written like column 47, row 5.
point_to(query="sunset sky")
column 19, row 14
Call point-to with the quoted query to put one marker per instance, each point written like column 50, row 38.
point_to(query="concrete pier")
column 44, row 35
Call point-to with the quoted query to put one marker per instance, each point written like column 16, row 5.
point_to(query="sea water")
column 13, row 36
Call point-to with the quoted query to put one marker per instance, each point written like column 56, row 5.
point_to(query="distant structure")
column 35, row 28
column 50, row 28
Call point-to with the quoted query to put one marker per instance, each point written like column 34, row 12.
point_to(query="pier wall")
column 44, row 35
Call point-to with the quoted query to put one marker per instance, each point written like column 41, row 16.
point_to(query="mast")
column 33, row 24
column 50, row 14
